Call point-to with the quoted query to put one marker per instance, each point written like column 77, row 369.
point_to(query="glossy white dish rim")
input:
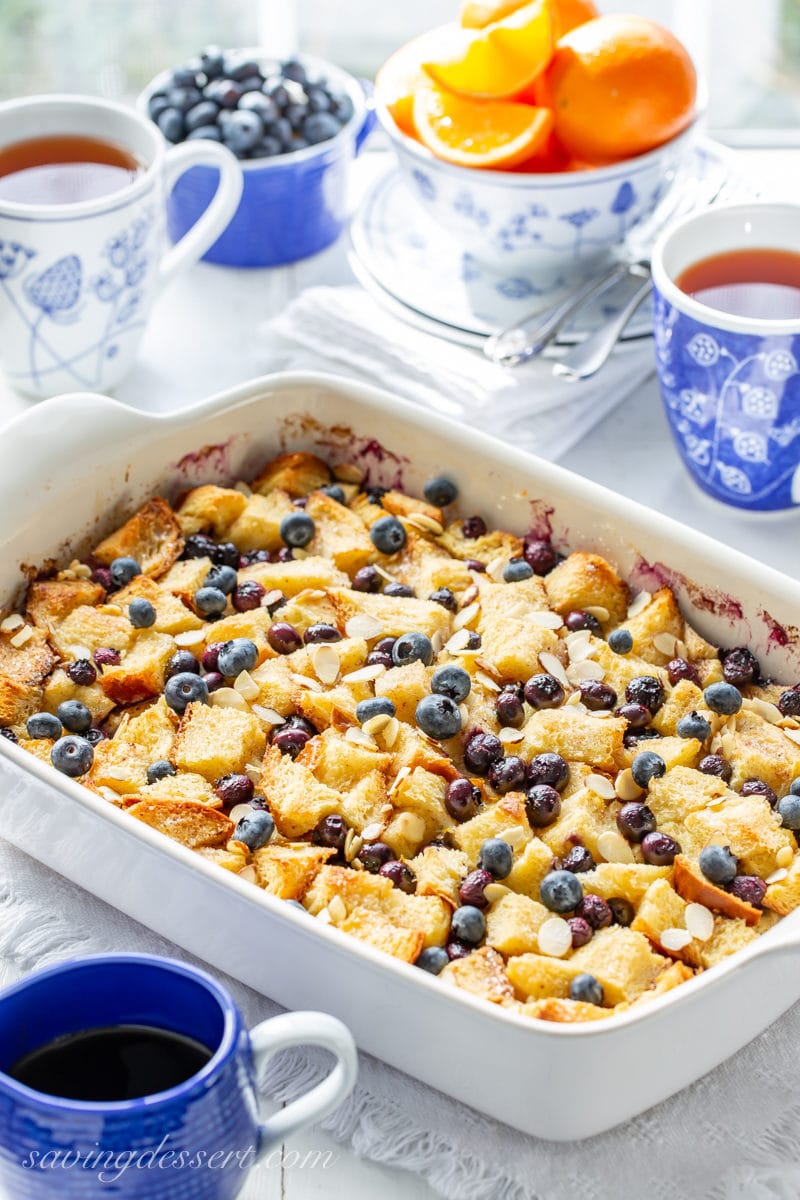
column 785, row 936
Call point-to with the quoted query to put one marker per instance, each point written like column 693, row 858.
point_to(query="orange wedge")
column 566, row 14
column 397, row 81
column 492, row 135
column 496, row 62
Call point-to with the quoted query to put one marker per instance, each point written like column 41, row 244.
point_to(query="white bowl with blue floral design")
column 730, row 384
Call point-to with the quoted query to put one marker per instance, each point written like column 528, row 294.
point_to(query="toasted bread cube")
column 184, row 788
column 59, row 687
column 378, row 931
column 401, row 505
column 620, row 669
column 140, row 674
column 23, row 670
column 684, row 699
column 396, row 614
column 210, row 508
column 574, row 735
column 759, row 750
column 357, row 889
column 730, row 935
column 214, row 741
column 565, row 1012
column 427, row 567
column 530, row 868
column 405, row 833
column 50, row 601
column 627, row 881
column 622, row 960
column 537, row 976
column 41, row 748
column 121, row 762
column 681, row 792
column 675, row 751
column 186, row 576
column 258, row 525
column 429, row 914
column 363, row 802
column 670, row 977
column 493, row 819
column 152, row 536
column 513, row 922
column 514, row 600
column 748, row 825
column 405, row 687
column 172, row 615
column 784, row 896
column 277, row 688
column 661, row 615
column 411, row 749
column 439, row 872
column 513, row 647
column 252, row 625
column 86, row 629
column 584, row 581
column 153, row 730
column 423, row 792
column 297, row 800
column 338, row 763
column 340, row 534
column 692, row 885
column 287, row 870
column 232, row 857
column 584, row 817
column 193, row 825
column 494, row 544
column 299, row 575
column 337, row 706
column 351, row 652
column 661, row 908
column 483, row 973
column 297, row 473
column 310, row 607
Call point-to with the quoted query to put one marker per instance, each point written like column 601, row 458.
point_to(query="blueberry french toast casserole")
column 471, row 752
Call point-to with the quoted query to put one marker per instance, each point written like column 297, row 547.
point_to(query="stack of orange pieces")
column 540, row 85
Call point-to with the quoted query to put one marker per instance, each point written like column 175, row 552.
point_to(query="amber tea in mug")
column 64, row 169
column 758, row 282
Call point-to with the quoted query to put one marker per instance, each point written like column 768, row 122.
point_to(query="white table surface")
column 204, row 335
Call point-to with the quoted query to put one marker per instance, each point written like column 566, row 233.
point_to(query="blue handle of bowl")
column 371, row 117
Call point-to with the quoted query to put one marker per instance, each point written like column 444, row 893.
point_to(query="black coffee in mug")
column 123, row 1062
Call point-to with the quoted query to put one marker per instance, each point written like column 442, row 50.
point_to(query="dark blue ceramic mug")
column 293, row 205
column 195, row 1141
column 730, row 384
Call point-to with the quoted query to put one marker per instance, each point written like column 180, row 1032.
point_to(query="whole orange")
column 618, row 86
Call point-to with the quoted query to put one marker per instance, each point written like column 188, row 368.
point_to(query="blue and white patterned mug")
column 730, row 384
column 77, row 281
column 196, row 1141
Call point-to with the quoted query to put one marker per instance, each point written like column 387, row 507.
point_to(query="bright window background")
column 749, row 50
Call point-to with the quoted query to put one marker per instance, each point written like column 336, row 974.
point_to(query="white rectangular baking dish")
column 70, row 467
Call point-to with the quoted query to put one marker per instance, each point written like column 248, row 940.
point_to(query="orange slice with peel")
column 566, row 14
column 489, row 134
column 496, row 62
column 399, row 79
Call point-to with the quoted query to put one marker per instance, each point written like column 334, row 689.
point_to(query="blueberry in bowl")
column 295, row 126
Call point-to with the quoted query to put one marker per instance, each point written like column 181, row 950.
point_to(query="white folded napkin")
column 344, row 329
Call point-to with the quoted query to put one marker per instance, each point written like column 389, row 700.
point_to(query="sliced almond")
column 364, row 674
column 509, row 736
column 579, row 672
column 486, row 681
column 777, row 876
column 352, row 845
column 463, row 618
column 553, row 666
column 544, row 618
column 376, row 724
column 15, row 621
column 459, row 641
column 391, row 732
column 246, row 686
column 554, row 937
column 248, row 873
column 270, row 598
column 468, row 596
column 784, row 856
column 190, row 637
column 425, row 523
column 765, row 710
column 349, row 473
column 362, row 625
column 574, row 701
column 437, row 642
column 675, row 939
column 495, row 891
column 228, row 697
column 19, row 639
column 600, row 785
column 626, row 787
column 699, row 921
column 598, row 611
column 495, row 567
column 337, row 909
column 402, row 774
column 613, row 847
column 793, row 735
column 665, row 643
column 305, row 681
column 639, row 603
column 514, row 835
column 269, row 716
column 324, row 917
column 326, row 663
column 359, row 738
column 238, row 811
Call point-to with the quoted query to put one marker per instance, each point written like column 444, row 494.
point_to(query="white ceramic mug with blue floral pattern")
column 730, row 384
column 78, row 280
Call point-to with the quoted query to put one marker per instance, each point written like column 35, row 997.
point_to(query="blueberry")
column 412, row 647
column 496, row 857
column 278, row 93
column 718, row 864
column 366, row 579
column 473, row 888
column 636, row 715
column 509, row 708
column 544, row 691
column 204, row 113
column 184, row 76
column 343, row 107
column 252, row 85
column 296, row 114
column 456, row 949
column 597, row 696
column 578, row 619
column 444, row 597
column 74, row 716
column 659, row 849
column 8, row 733
column 595, row 911
column 242, row 131
column 398, row 589
column 473, row 528
column 183, row 98
column 516, row 570
column 586, row 988
column 759, row 787
column 481, row 751
column 235, row 788
column 297, row 530
column 646, row 766
column 43, row 725
column 374, row 855
column 646, row 690
column 794, row 789
column 789, row 702
column 94, row 735
column 578, row 860
column 723, row 698
column 223, row 92
column 694, row 726
column 321, row 632
column 294, row 70
column 170, row 122
column 185, row 688
column 198, row 545
column 438, row 717
column 106, row 656
column 581, row 932
column 678, row 669
column 401, row 876
column 72, row 756
column 715, row 764
column 432, row 959
column 549, row 768
column 290, row 740
column 210, row 601
column 319, row 100
column 156, row 105
column 507, row 775
column 160, row 769
column 620, row 641
column 248, row 595
column 210, row 659
column 542, row 805
column 102, row 575
column 141, row 613
column 749, row 888
column 462, row 799
column 212, row 62
column 282, row 130
column 561, row 891
column 223, row 577
column 632, row 737
column 320, row 126
column 241, row 68
column 540, row 554
column 740, row 666
column 451, row 681
column 440, row 491
column 123, row 570
column 255, row 829
column 634, row 820
column 622, row 910
column 468, row 924
column 331, row 832
column 388, row 535
column 268, row 147
column 373, row 707
column 788, row 808
column 236, row 656
column 335, row 491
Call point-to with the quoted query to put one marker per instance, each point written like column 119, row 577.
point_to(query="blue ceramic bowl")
column 293, row 205
column 730, row 384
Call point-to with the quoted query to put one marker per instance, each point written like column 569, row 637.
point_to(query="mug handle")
column 305, row 1029
column 207, row 228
